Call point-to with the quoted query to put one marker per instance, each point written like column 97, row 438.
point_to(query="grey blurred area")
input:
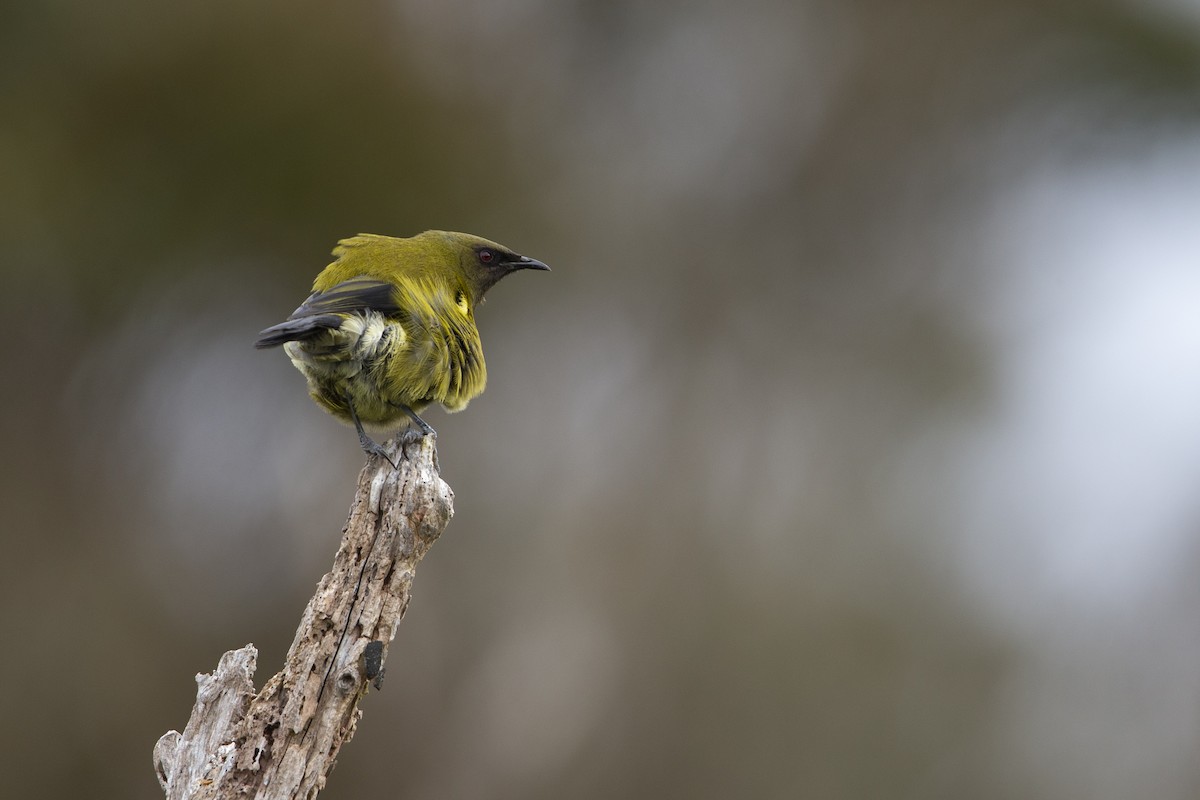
column 851, row 449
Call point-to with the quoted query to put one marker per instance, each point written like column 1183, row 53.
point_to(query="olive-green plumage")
column 390, row 326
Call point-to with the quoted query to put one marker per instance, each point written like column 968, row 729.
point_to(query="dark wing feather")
column 356, row 294
column 296, row 330
column 322, row 310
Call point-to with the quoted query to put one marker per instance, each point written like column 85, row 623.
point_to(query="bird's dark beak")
column 525, row 262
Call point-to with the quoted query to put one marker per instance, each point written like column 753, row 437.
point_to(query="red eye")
column 487, row 256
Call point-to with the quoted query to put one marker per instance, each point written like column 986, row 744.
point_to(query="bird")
column 389, row 328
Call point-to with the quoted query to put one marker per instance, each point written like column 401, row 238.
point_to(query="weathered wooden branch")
column 283, row 741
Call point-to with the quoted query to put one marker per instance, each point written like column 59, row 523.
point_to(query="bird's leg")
column 422, row 424
column 369, row 445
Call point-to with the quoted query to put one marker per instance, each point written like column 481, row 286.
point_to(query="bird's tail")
column 297, row 330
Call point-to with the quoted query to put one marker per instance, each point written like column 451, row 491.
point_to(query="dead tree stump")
column 283, row 741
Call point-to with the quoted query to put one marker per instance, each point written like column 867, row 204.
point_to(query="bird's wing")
column 324, row 311
column 357, row 294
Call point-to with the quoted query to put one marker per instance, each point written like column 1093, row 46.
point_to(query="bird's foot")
column 410, row 436
column 369, row 445
column 373, row 448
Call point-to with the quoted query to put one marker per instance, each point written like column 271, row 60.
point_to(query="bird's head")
column 478, row 262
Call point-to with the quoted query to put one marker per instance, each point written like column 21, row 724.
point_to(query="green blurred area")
column 729, row 518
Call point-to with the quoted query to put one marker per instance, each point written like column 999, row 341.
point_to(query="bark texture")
column 283, row 741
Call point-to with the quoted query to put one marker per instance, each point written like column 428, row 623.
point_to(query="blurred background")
column 852, row 449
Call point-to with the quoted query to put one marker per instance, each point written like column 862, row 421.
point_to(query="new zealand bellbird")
column 390, row 327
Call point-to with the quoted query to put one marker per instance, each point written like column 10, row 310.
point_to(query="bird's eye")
column 486, row 256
